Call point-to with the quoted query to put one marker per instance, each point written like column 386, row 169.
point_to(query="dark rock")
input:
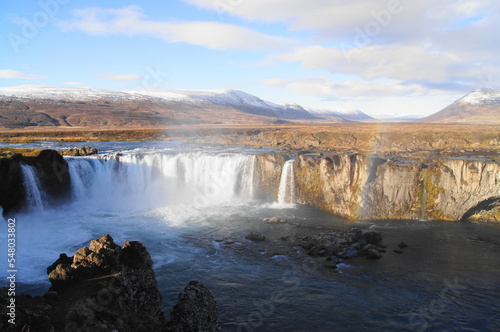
column 196, row 310
column 402, row 245
column 52, row 172
column 398, row 251
column 277, row 220
column 12, row 194
column 348, row 244
column 372, row 237
column 105, row 287
column 373, row 254
column 80, row 152
column 254, row 236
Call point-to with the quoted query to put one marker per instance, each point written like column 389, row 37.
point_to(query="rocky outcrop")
column 342, row 245
column 51, row 170
column 268, row 173
column 79, row 152
column 196, row 310
column 12, row 192
column 360, row 187
column 107, row 287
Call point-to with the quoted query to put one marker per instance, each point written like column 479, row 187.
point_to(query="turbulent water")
column 192, row 207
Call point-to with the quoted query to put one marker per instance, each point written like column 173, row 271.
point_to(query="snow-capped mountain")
column 480, row 106
column 238, row 99
column 32, row 105
column 350, row 114
column 46, row 93
column 482, row 97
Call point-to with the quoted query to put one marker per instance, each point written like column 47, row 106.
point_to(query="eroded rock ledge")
column 51, row 170
column 358, row 187
column 107, row 287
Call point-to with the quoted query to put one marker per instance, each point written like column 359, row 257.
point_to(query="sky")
column 395, row 57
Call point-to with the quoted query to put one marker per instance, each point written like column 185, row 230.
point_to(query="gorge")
column 354, row 186
column 322, row 264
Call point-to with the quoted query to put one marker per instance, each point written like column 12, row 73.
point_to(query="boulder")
column 196, row 310
column 351, row 243
column 105, row 287
column 276, row 220
column 371, row 237
column 255, row 236
column 80, row 152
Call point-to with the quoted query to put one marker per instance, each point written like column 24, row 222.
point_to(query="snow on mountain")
column 351, row 114
column 482, row 97
column 39, row 92
column 233, row 98
column 479, row 107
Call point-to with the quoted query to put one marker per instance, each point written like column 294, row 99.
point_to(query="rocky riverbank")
column 107, row 287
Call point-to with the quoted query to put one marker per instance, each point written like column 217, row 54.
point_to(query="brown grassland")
column 417, row 140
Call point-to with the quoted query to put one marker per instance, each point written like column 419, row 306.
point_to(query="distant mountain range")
column 29, row 105
column 478, row 107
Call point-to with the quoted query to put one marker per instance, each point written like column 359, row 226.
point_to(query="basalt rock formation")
column 268, row 173
column 358, row 186
column 80, row 152
column 51, row 170
column 105, row 287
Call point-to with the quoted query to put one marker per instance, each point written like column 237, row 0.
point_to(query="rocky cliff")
column 51, row 171
column 358, row 187
column 107, row 287
column 268, row 173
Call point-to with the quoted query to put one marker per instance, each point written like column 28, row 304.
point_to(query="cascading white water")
column 286, row 193
column 159, row 179
column 31, row 184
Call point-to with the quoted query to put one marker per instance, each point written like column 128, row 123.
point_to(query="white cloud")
column 119, row 77
column 435, row 41
column 402, row 62
column 9, row 73
column 349, row 90
column 73, row 83
column 130, row 21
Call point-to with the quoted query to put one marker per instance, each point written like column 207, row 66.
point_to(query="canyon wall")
column 354, row 186
column 52, row 174
column 360, row 187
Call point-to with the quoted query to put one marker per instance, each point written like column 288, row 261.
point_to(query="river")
column 192, row 206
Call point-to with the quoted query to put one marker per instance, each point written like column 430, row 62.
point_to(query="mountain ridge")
column 32, row 105
column 477, row 107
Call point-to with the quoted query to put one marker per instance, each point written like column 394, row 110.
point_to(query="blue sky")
column 383, row 57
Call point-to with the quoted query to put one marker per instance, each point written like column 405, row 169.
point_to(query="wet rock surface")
column 107, row 287
column 351, row 243
column 80, row 152
column 52, row 172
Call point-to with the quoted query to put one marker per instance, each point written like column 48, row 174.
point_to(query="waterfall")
column 31, row 184
column 286, row 194
column 160, row 179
